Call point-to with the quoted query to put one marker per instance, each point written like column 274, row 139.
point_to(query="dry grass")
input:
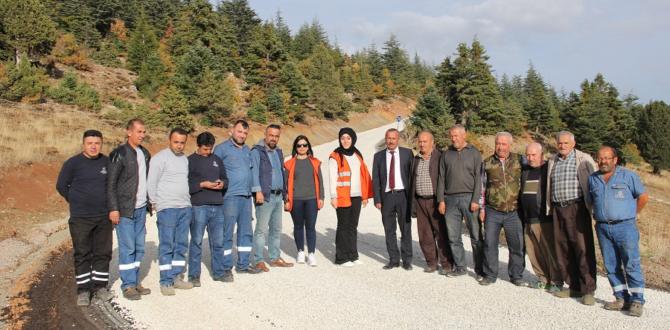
column 47, row 132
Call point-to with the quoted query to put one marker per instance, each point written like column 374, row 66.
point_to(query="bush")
column 68, row 52
column 257, row 112
column 630, row 154
column 70, row 91
column 23, row 83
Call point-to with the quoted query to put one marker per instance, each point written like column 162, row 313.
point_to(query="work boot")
column 131, row 293
column 588, row 299
column 84, row 298
column 142, row 290
column 182, row 285
column 636, row 309
column 103, row 294
column 167, row 290
column 195, row 281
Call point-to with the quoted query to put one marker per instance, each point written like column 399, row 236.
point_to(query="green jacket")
column 503, row 183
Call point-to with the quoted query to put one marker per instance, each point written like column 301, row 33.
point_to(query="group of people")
column 545, row 209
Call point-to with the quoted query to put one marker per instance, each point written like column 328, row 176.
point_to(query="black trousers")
column 395, row 213
column 346, row 234
column 92, row 242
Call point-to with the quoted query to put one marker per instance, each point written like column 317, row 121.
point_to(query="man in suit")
column 430, row 224
column 391, row 171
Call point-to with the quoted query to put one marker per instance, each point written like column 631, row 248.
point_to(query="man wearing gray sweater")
column 458, row 193
column 167, row 185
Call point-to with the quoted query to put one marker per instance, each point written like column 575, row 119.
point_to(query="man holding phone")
column 206, row 179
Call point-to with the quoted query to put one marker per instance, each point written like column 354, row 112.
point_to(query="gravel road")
column 365, row 296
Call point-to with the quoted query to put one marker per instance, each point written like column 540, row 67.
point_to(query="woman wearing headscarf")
column 350, row 188
column 304, row 196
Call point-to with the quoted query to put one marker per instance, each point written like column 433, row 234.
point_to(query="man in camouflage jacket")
column 502, row 185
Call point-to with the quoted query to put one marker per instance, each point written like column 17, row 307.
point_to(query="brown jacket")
column 433, row 168
column 585, row 166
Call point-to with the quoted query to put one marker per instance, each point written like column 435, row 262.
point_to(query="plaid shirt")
column 424, row 187
column 564, row 181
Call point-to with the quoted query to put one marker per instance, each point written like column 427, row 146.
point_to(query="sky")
column 567, row 41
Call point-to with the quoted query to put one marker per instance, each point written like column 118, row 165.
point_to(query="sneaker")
column 195, row 281
column 357, row 262
column 167, row 290
column 539, row 285
column 142, row 290
column 457, row 272
column 616, row 305
column 347, row 264
column 520, row 283
column 636, row 309
column 182, row 285
column 486, row 281
column 301, row 257
column 131, row 293
column 588, row 299
column 84, row 298
column 311, row 259
column 103, row 294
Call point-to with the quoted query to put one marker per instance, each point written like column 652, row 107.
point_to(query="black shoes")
column 407, row 266
column 391, row 265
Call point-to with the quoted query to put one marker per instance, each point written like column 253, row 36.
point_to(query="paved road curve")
column 366, row 296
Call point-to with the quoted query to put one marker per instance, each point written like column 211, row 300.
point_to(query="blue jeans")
column 496, row 221
column 268, row 222
column 304, row 224
column 237, row 211
column 210, row 216
column 458, row 207
column 130, row 234
column 620, row 246
column 173, row 227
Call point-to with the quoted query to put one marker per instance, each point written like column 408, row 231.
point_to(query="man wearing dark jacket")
column 538, row 227
column 391, row 171
column 82, row 183
column 430, row 224
column 127, row 203
column 206, row 180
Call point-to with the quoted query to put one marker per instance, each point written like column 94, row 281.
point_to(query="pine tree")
column 654, row 135
column 327, row 93
column 151, row 76
column 174, row 109
column 242, row 20
column 265, row 56
column 432, row 113
column 214, row 98
column 143, row 42
column 190, row 68
column 283, row 31
column 22, row 82
column 27, row 28
column 76, row 17
column 295, row 82
column 395, row 59
column 257, row 112
column 540, row 111
column 309, row 36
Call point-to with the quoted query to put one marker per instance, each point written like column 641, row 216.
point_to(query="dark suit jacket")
column 433, row 169
column 379, row 175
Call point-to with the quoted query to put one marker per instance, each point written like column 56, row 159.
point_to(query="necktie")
column 392, row 172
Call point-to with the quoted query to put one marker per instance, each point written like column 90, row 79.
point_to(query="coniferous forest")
column 198, row 62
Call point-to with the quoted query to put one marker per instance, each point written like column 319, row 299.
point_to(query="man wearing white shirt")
column 391, row 172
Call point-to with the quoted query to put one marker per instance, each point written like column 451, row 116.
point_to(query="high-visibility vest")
column 344, row 180
column 290, row 168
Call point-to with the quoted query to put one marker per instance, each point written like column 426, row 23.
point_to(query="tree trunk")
column 17, row 56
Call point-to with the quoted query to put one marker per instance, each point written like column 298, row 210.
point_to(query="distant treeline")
column 213, row 63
